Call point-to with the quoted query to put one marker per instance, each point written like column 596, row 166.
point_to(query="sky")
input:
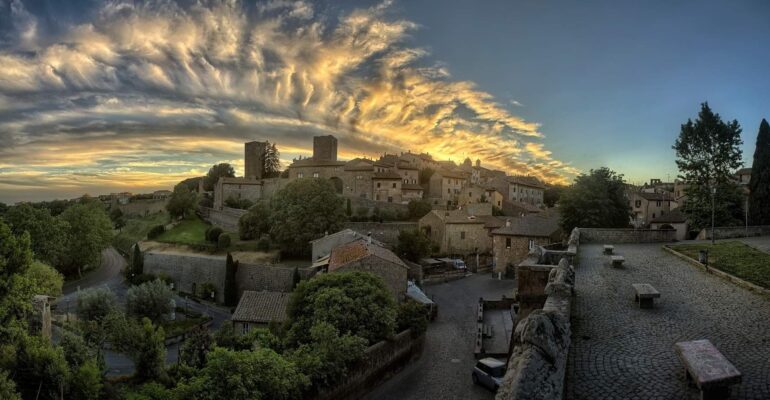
column 105, row 96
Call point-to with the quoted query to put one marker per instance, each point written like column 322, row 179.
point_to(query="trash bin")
column 703, row 257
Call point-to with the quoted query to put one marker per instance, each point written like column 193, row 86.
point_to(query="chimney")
column 507, row 222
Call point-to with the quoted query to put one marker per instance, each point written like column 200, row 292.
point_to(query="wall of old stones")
column 386, row 232
column 227, row 218
column 477, row 239
column 599, row 235
column 518, row 251
column 735, row 232
column 188, row 271
column 267, row 277
column 142, row 207
column 393, row 275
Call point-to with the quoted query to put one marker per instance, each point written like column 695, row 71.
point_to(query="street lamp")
column 713, row 196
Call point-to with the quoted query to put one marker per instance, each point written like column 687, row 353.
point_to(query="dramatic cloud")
column 142, row 95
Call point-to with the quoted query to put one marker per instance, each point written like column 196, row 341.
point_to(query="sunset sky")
column 105, row 96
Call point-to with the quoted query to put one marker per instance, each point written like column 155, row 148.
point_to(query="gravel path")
column 444, row 370
column 622, row 352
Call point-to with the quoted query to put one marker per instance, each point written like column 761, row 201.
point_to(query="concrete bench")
column 608, row 249
column 617, row 261
column 708, row 368
column 645, row 294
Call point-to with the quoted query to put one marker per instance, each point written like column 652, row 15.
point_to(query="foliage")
column 223, row 241
column 15, row 259
column 759, row 185
column 418, row 209
column 596, row 200
column 8, row 388
column 412, row 315
column 552, row 194
column 44, row 279
column 151, row 300
column 222, row 170
column 96, row 303
column 242, row 204
column 230, row 290
column 205, row 201
column 413, row 244
column 136, row 229
column 156, row 231
column 49, row 235
column 182, row 201
column 272, row 162
column 257, row 374
column 362, row 213
column 327, row 358
column 206, row 290
column 263, row 244
column 117, row 218
column 735, row 258
column 78, row 352
column 90, row 232
column 191, row 183
column 38, row 362
column 86, row 381
column 708, row 151
column 137, row 261
column 295, row 278
column 212, row 234
column 255, row 338
column 356, row 303
column 191, row 232
column 150, row 391
column 255, row 223
column 497, row 211
column 142, row 343
column 195, row 347
column 302, row 211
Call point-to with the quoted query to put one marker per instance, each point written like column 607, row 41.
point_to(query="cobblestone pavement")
column 622, row 352
column 444, row 370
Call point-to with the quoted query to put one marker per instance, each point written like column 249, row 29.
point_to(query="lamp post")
column 713, row 202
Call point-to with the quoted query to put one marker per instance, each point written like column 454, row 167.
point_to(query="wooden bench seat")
column 608, row 249
column 617, row 261
column 708, row 368
column 645, row 294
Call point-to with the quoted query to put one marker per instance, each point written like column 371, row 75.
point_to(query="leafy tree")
column 15, row 260
column 191, row 183
column 596, row 200
column 759, row 185
column 212, row 234
column 150, row 299
column 195, row 348
column 328, row 357
column 412, row 315
column 552, row 195
column 413, row 244
column 150, row 391
column 86, row 382
column 242, row 204
column 40, row 366
column 254, row 339
column 258, row 374
column 223, row 170
column 48, row 234
column 355, row 303
column 95, row 304
column 45, row 279
column 142, row 343
column 77, row 351
column 182, row 202
column 708, row 151
column 137, row 261
column 156, row 231
column 302, row 211
column 117, row 218
column 223, row 241
column 418, row 208
column 8, row 388
column 89, row 231
column 255, row 223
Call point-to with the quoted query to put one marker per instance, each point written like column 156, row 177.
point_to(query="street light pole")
column 713, row 202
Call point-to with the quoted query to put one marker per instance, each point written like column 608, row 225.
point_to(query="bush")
column 412, row 315
column 413, row 245
column 205, row 290
column 418, row 209
column 212, row 234
column 156, row 231
column 362, row 213
column 151, row 300
column 263, row 244
column 388, row 215
column 223, row 241
column 95, row 304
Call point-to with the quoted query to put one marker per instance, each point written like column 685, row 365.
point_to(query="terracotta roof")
column 675, row 216
column 656, row 196
column 451, row 174
column 411, row 186
column 261, row 307
column 387, row 175
column 526, row 181
column 357, row 250
column 458, row 217
column 531, row 226
column 359, row 164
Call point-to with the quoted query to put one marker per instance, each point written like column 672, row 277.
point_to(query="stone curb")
column 722, row 274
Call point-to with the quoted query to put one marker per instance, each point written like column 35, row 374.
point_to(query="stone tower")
column 254, row 160
column 324, row 148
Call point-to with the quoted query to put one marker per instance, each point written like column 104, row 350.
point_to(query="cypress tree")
column 231, row 292
column 759, row 185
column 137, row 262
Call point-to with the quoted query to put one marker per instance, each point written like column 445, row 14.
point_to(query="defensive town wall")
column 142, row 207
column 728, row 232
column 188, row 271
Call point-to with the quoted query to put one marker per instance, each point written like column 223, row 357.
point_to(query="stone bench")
column 617, row 261
column 645, row 294
column 708, row 368
column 608, row 249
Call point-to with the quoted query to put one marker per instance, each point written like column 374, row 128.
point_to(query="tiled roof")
column 309, row 162
column 526, row 181
column 406, row 165
column 387, row 175
column 451, row 174
column 458, row 217
column 357, row 250
column 531, row 226
column 359, row 164
column 261, row 307
column 656, row 196
column 675, row 216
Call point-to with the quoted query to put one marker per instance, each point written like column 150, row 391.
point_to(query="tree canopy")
column 595, row 200
column 759, row 185
column 222, row 170
column 182, row 201
column 413, row 244
column 89, row 231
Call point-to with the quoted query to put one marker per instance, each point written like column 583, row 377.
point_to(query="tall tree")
column 708, row 151
column 48, row 234
column 596, row 200
column 272, row 165
column 182, row 201
column 222, row 170
column 89, row 232
column 759, row 185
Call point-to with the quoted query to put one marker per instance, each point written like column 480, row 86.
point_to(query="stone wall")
column 386, row 232
column 188, row 271
column 600, row 235
column 227, row 218
column 727, row 232
column 507, row 256
column 142, row 207
column 541, row 341
column 267, row 277
column 394, row 276
column 379, row 363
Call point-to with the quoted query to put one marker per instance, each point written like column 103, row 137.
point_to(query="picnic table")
column 711, row 371
column 608, row 249
column 645, row 294
column 617, row 261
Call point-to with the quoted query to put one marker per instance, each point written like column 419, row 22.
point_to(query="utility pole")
column 747, row 216
column 713, row 196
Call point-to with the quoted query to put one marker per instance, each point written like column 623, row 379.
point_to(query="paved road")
column 622, row 352
column 444, row 370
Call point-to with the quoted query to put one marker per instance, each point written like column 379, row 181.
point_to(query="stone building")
column 236, row 188
column 411, row 191
column 445, row 186
column 365, row 256
column 459, row 233
column 386, row 186
column 325, row 148
column 259, row 309
column 323, row 163
column 323, row 246
column 673, row 220
column 472, row 194
column 647, row 206
column 513, row 241
column 254, row 159
column 520, row 189
column 357, row 178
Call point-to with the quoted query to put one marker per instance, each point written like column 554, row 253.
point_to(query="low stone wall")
column 727, row 232
column 188, row 271
column 601, row 235
column 380, row 362
column 143, row 207
column 386, row 232
column 227, row 218
column 443, row 277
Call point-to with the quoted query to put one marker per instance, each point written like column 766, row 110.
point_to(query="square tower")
column 325, row 148
column 254, row 160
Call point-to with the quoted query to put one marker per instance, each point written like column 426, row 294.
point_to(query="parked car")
column 458, row 263
column 488, row 372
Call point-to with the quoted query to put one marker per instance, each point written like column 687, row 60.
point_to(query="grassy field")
column 735, row 258
column 136, row 229
column 190, row 231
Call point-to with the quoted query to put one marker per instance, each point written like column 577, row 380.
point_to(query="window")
column 390, row 199
column 359, row 177
column 300, row 175
column 531, row 244
column 507, row 243
column 315, row 174
column 448, row 190
column 638, row 204
column 657, row 203
column 245, row 328
column 462, row 235
column 470, row 194
column 394, row 185
column 377, row 197
column 378, row 185
column 653, row 215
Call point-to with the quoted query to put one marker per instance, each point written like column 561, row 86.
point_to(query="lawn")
column 190, row 231
column 136, row 229
column 735, row 258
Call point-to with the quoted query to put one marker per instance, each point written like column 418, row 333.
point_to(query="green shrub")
column 95, row 304
column 212, row 235
column 156, row 231
column 206, row 289
column 223, row 241
column 263, row 244
column 412, row 315
column 150, row 299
